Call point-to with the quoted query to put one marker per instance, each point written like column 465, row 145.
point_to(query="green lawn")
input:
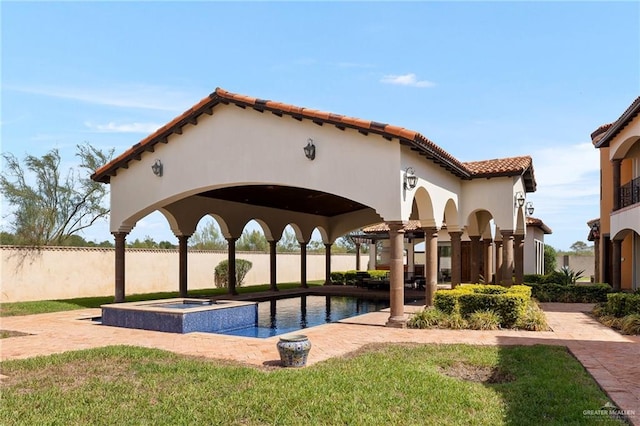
column 44, row 306
column 386, row 385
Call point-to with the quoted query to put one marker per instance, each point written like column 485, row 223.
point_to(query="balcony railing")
column 630, row 193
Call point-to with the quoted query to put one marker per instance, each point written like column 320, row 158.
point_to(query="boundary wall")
column 51, row 273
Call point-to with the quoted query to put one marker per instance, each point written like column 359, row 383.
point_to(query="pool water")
column 279, row 316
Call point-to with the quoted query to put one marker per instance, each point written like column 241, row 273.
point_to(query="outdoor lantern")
column 310, row 149
column 519, row 199
column 157, row 168
column 595, row 231
column 410, row 178
column 530, row 208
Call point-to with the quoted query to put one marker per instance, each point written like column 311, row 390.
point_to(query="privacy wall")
column 63, row 273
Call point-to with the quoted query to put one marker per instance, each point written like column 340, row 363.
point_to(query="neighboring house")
column 616, row 233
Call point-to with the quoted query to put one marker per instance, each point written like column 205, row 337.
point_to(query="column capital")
column 396, row 226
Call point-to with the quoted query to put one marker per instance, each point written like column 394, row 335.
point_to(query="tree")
column 252, row 241
column 580, row 247
column 54, row 207
column 208, row 238
column 549, row 259
column 288, row 243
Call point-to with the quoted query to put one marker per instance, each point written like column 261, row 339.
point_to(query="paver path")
column 611, row 358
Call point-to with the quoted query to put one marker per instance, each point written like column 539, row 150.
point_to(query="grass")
column 44, row 306
column 390, row 384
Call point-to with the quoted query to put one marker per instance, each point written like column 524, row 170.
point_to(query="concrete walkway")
column 612, row 359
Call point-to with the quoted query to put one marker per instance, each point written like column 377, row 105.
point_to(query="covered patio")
column 239, row 158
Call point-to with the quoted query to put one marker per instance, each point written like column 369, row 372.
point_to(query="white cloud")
column 568, row 192
column 406, row 80
column 132, row 96
column 113, row 127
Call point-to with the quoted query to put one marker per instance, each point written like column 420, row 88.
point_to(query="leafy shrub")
column 533, row 318
column 533, row 278
column 549, row 292
column 455, row 321
column 337, row 277
column 611, row 321
column 447, row 300
column 427, row 318
column 484, row 320
column 630, row 324
column 509, row 303
column 221, row 276
column 622, row 304
column 350, row 277
column 509, row 307
column 377, row 274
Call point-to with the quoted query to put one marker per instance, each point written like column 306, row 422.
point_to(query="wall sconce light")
column 519, row 199
column 310, row 149
column 410, row 178
column 530, row 208
column 595, row 231
column 156, row 167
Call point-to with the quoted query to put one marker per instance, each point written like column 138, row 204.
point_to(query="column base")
column 396, row 322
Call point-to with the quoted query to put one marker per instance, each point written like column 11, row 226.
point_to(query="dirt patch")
column 476, row 373
column 5, row 334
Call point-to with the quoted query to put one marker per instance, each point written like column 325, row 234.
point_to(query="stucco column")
column 357, row 256
column 499, row 261
column 327, row 264
column 487, row 260
column 231, row 242
column 182, row 254
column 518, row 241
column 616, row 264
column 616, row 183
column 596, row 260
column 507, row 258
column 119, row 252
column 273, row 265
column 456, row 260
column 475, row 258
column 373, row 254
column 396, row 283
column 303, row 265
column 431, row 263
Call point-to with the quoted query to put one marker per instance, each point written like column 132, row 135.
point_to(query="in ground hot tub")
column 182, row 315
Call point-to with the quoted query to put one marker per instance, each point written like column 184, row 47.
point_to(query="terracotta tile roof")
column 413, row 139
column 600, row 131
column 614, row 128
column 512, row 166
column 533, row 221
column 411, row 225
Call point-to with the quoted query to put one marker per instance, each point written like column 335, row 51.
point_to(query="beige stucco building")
column 239, row 158
column 616, row 233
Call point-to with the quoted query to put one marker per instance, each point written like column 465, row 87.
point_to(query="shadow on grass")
column 567, row 388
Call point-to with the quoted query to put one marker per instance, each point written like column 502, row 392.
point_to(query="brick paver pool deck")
column 611, row 358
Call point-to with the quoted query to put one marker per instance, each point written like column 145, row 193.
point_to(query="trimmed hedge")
column 349, row 277
column 549, row 292
column 510, row 303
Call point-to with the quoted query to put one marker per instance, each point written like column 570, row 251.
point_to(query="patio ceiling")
column 287, row 198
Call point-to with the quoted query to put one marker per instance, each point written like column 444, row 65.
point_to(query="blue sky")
column 481, row 79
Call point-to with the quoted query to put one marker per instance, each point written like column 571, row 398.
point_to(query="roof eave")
column 619, row 124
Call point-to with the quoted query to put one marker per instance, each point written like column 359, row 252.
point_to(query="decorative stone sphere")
column 294, row 350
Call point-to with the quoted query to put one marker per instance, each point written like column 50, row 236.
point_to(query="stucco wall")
column 63, row 273
column 577, row 263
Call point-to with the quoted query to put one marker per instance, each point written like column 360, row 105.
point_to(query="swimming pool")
column 279, row 316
